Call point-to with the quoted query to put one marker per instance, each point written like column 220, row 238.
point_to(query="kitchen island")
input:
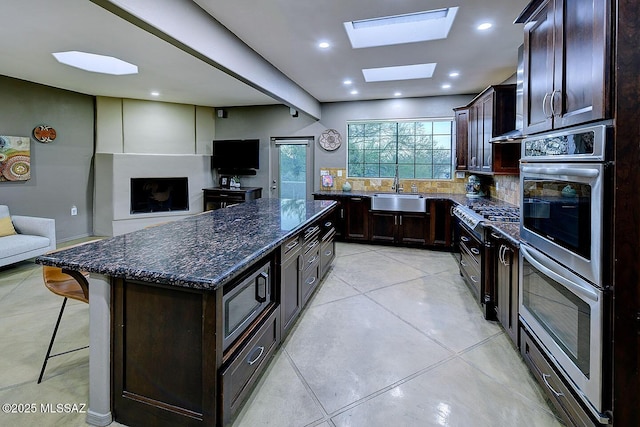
column 161, row 351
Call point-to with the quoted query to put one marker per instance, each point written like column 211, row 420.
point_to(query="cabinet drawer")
column 311, row 245
column 560, row 395
column 327, row 254
column 310, row 258
column 289, row 248
column 311, row 233
column 310, row 279
column 473, row 253
column 243, row 371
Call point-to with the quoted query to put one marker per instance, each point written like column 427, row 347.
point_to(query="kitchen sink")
column 398, row 202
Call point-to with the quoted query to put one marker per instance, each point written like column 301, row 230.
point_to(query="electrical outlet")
column 339, row 173
column 74, row 210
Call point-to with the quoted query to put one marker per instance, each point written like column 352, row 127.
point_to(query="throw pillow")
column 6, row 227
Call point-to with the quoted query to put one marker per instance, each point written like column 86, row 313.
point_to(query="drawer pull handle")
column 544, row 378
column 292, row 244
column 328, row 253
column 312, row 260
column 312, row 281
column 251, row 362
column 314, row 244
column 474, row 279
column 464, row 239
column 475, row 251
column 328, row 224
column 464, row 264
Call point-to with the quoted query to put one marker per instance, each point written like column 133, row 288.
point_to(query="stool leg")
column 53, row 337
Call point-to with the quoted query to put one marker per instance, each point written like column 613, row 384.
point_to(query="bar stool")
column 68, row 284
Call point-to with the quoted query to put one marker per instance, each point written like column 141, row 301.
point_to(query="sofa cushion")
column 4, row 211
column 20, row 243
column 6, row 227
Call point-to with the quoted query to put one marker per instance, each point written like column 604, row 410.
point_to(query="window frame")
column 397, row 123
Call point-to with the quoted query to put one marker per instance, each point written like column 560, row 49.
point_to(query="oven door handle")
column 581, row 172
column 585, row 291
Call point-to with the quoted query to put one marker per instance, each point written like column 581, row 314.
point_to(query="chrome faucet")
column 396, row 182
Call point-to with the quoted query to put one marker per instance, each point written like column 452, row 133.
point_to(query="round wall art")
column 330, row 140
column 44, row 133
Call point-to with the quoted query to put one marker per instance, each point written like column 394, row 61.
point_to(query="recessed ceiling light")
column 354, row 92
column 323, row 45
column 96, row 63
column 454, row 74
column 446, row 86
column 347, row 82
column 401, row 72
column 155, row 93
column 485, row 26
column 397, row 94
column 397, row 29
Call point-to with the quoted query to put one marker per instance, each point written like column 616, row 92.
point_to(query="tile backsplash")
column 503, row 187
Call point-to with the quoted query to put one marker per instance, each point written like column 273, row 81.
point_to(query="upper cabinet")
column 566, row 65
column 462, row 137
column 490, row 114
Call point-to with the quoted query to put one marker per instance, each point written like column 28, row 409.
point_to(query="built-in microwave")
column 244, row 302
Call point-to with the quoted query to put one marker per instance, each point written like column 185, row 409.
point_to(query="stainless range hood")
column 515, row 136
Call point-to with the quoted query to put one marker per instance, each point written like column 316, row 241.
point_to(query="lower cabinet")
column 242, row 372
column 406, row 228
column 290, row 266
column 356, row 218
column 505, row 267
column 559, row 394
column 354, row 221
column 441, row 224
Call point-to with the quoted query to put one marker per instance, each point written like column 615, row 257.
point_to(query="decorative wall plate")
column 44, row 133
column 330, row 139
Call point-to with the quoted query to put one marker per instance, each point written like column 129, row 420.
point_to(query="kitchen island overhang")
column 167, row 282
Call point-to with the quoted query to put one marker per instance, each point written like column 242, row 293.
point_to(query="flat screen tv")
column 236, row 154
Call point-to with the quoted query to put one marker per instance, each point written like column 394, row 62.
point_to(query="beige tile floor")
column 391, row 338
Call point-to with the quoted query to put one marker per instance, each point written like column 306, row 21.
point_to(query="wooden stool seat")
column 74, row 285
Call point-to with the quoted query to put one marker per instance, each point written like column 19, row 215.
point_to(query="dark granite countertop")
column 203, row 251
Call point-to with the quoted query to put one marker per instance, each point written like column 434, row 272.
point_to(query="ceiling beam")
column 189, row 28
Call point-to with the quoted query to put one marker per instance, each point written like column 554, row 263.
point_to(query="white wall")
column 275, row 121
column 145, row 139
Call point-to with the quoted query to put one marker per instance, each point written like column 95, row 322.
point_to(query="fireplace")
column 159, row 195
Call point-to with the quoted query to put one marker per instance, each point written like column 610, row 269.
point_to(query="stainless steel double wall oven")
column 563, row 297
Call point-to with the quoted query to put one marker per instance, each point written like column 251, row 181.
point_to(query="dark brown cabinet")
column 490, row 114
column 462, row 137
column 406, row 228
column 218, row 197
column 441, row 229
column 505, row 270
column 566, row 64
column 356, row 218
column 290, row 270
column 567, row 405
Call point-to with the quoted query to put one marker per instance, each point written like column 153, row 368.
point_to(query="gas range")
column 474, row 215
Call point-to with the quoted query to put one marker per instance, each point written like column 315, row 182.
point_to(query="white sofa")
column 35, row 236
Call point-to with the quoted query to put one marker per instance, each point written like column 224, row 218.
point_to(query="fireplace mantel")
column 113, row 173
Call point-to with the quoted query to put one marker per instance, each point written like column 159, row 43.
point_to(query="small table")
column 218, row 197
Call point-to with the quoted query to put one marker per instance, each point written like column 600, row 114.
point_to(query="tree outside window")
column 421, row 149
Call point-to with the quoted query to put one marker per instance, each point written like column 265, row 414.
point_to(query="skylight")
column 96, row 63
column 401, row 72
column 398, row 29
